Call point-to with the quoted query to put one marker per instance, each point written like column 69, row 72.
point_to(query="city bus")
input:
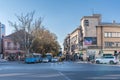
column 33, row 58
column 49, row 56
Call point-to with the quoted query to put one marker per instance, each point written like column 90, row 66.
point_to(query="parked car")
column 45, row 60
column 55, row 59
column 107, row 59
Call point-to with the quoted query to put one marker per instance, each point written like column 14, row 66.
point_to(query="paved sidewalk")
column 82, row 62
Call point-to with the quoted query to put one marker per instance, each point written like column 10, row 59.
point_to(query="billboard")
column 90, row 40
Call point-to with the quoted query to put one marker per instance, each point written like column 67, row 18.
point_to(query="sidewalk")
column 3, row 60
column 82, row 62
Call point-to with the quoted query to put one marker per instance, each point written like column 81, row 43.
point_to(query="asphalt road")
column 58, row 71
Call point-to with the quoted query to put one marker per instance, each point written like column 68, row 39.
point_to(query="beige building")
column 74, row 41
column 94, row 38
column 108, row 37
column 67, row 44
column 88, row 25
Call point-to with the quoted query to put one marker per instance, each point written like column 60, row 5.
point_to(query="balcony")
column 108, row 47
column 94, row 47
column 10, row 48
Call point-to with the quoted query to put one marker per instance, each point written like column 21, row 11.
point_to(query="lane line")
column 64, row 76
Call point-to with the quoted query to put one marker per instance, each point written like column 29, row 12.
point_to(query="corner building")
column 108, row 37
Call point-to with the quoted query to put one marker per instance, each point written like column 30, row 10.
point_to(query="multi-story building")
column 67, row 44
column 73, row 42
column 108, row 37
column 11, row 49
column 95, row 37
column 67, row 47
column 2, row 30
column 2, row 34
column 88, row 25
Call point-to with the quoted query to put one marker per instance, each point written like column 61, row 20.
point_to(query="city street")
column 58, row 71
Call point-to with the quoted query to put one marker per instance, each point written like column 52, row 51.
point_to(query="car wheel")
column 111, row 62
column 97, row 62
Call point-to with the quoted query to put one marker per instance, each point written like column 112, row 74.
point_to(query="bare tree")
column 33, row 36
column 25, row 26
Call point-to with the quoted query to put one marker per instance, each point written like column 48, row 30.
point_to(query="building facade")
column 12, row 50
column 2, row 34
column 95, row 38
column 108, row 37
column 72, row 43
column 88, row 25
column 67, row 44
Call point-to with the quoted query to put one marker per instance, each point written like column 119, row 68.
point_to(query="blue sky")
column 60, row 16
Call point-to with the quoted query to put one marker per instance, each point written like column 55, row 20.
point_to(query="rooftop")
column 109, row 24
column 92, row 16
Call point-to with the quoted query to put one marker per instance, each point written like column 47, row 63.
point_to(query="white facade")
column 89, row 30
column 88, row 24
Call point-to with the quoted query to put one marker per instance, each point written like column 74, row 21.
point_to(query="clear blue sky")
column 60, row 16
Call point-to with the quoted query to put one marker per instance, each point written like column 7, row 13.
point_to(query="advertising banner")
column 90, row 40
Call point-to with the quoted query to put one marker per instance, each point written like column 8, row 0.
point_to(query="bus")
column 33, row 58
column 49, row 56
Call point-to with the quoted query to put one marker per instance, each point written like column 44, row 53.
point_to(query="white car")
column 55, row 60
column 45, row 60
column 107, row 59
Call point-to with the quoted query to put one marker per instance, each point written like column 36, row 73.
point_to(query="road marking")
column 103, row 78
column 12, row 74
column 64, row 76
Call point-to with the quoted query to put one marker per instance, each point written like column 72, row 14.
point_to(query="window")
column 118, row 34
column 112, row 44
column 109, row 44
column 86, row 23
column 109, row 34
column 105, row 34
column 112, row 34
column 74, row 39
column 8, row 44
